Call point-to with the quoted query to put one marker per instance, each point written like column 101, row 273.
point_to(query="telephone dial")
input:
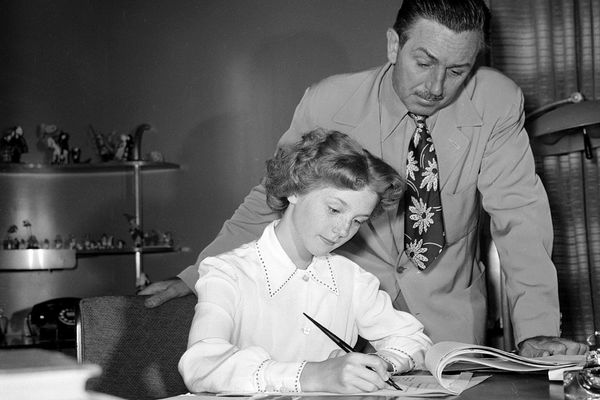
column 55, row 320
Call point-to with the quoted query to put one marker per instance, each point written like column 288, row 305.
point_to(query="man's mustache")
column 425, row 95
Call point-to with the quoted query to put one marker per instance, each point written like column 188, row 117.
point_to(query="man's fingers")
column 152, row 289
column 156, row 300
column 575, row 348
column 545, row 346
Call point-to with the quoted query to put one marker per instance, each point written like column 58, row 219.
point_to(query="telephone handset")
column 55, row 319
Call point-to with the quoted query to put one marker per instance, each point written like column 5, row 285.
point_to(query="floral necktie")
column 424, row 236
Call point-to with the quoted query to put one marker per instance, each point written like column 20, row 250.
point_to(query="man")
column 481, row 158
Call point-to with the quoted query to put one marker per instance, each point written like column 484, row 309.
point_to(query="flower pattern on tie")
column 424, row 235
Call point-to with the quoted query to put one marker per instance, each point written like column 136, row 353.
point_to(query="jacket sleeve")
column 253, row 215
column 520, row 224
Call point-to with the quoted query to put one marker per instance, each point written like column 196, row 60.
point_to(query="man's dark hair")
column 456, row 15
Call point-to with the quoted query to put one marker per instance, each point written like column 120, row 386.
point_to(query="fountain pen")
column 344, row 346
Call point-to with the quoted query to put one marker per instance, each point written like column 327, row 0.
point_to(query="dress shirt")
column 249, row 332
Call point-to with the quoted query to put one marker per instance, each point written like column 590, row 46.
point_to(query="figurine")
column 52, row 145
column 151, row 238
column 124, row 146
column 135, row 231
column 72, row 244
column 167, row 239
column 32, row 242
column 106, row 242
column 13, row 144
column 9, row 242
column 76, row 155
column 87, row 243
column 103, row 148
column 48, row 135
column 58, row 242
column 63, row 144
column 156, row 156
column 6, row 149
column 19, row 144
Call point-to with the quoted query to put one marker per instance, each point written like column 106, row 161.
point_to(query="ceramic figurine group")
column 106, row 242
column 113, row 147
column 57, row 142
column 119, row 147
column 12, row 242
column 12, row 145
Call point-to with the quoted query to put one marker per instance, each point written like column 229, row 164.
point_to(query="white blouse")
column 249, row 333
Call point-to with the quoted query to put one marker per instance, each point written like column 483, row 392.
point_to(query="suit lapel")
column 361, row 112
column 450, row 139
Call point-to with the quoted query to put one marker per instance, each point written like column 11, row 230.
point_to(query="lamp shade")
column 565, row 129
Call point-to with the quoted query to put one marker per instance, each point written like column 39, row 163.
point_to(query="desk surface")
column 499, row 386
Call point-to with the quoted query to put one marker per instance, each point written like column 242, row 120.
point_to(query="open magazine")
column 446, row 357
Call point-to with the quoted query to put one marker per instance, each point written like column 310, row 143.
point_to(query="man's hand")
column 541, row 346
column 164, row 291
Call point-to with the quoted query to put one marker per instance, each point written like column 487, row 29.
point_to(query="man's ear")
column 393, row 45
column 293, row 199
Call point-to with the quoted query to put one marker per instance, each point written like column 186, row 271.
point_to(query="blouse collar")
column 279, row 268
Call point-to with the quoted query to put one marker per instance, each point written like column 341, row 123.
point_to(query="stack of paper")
column 39, row 374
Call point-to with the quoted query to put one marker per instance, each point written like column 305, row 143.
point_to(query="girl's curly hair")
column 329, row 158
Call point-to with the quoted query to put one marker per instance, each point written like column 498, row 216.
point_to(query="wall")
column 217, row 80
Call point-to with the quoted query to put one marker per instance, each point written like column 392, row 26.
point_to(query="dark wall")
column 217, row 80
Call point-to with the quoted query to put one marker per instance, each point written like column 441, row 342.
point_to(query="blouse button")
column 306, row 278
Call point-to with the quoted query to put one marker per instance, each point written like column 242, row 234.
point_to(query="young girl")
column 249, row 332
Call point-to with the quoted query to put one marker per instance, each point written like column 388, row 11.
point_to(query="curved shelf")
column 127, row 250
column 51, row 259
column 66, row 259
column 109, row 166
column 37, row 259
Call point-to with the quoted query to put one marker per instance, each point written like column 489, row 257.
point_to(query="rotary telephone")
column 55, row 320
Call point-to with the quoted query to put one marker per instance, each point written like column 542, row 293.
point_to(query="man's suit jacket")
column 484, row 160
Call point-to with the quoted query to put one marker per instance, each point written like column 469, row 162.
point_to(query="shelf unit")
column 55, row 259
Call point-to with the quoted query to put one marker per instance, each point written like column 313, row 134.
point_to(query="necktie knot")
column 417, row 117
column 419, row 121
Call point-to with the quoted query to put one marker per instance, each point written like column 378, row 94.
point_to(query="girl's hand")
column 349, row 373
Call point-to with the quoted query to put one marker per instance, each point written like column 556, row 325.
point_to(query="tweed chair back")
column 138, row 348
